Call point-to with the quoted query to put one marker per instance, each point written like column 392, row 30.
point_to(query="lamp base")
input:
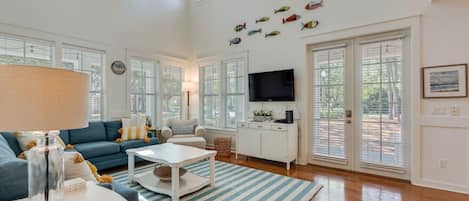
column 46, row 168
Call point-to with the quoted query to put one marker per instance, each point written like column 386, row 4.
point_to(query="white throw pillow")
column 74, row 169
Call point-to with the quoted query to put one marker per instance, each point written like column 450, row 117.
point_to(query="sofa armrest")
column 200, row 131
column 166, row 132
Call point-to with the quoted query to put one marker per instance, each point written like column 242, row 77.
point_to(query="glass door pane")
column 381, row 103
column 329, row 103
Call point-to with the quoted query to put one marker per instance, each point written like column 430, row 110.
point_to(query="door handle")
column 348, row 113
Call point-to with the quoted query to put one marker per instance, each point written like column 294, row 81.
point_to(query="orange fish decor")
column 313, row 5
column 292, row 18
column 240, row 27
column 309, row 25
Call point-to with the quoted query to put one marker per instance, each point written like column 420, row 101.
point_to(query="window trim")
column 26, row 39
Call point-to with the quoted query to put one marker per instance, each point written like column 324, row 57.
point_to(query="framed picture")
column 445, row 81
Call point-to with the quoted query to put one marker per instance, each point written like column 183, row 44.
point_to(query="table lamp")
column 43, row 100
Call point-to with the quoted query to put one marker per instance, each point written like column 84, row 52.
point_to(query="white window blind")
column 88, row 61
column 172, row 79
column 381, row 64
column 329, row 110
column 210, row 76
column 21, row 50
column 143, row 88
column 223, row 93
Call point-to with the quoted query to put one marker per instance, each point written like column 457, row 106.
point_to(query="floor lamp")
column 43, row 100
column 188, row 87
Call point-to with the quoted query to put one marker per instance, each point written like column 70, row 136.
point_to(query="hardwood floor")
column 342, row 185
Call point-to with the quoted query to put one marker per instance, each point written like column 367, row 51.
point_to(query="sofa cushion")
column 95, row 149
column 13, row 179
column 6, row 153
column 137, row 143
column 65, row 136
column 12, row 143
column 112, row 128
column 126, row 192
column 94, row 133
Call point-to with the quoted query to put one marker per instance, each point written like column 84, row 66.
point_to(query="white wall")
column 212, row 23
column 154, row 27
column 441, row 40
column 445, row 138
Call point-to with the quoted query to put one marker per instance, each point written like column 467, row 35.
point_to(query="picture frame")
column 449, row 81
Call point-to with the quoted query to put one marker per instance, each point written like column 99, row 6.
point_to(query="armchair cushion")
column 176, row 122
column 183, row 129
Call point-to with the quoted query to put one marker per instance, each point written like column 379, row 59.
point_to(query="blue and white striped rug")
column 234, row 182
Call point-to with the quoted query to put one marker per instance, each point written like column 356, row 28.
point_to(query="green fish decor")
column 309, row 25
column 282, row 9
column 273, row 33
column 263, row 19
column 252, row 32
column 240, row 27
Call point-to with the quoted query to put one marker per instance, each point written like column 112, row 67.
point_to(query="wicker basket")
column 223, row 146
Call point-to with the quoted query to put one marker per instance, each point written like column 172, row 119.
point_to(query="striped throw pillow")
column 134, row 133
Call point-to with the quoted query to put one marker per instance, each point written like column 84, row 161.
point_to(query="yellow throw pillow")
column 133, row 133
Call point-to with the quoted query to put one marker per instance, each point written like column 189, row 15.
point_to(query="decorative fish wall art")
column 273, row 33
column 235, row 41
column 313, row 5
column 262, row 19
column 256, row 31
column 240, row 27
column 309, row 25
column 292, row 18
column 282, row 9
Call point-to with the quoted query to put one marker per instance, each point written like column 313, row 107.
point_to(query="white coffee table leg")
column 175, row 183
column 131, row 163
column 212, row 171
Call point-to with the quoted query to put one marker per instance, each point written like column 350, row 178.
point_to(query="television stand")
column 268, row 140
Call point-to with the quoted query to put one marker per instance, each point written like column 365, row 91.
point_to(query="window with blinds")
column 20, row 50
column 381, row 64
column 91, row 62
column 223, row 93
column 143, row 88
column 210, row 75
column 329, row 111
column 171, row 82
column 235, row 91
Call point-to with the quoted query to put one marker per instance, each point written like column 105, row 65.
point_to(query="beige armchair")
column 184, row 132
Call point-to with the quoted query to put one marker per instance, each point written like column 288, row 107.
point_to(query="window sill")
column 221, row 130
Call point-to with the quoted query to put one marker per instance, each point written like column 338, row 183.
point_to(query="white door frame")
column 414, row 25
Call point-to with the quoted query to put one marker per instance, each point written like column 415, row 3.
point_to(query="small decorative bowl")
column 163, row 172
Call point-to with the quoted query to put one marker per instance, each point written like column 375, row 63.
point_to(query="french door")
column 358, row 99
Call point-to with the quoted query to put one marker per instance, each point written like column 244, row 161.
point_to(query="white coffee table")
column 175, row 156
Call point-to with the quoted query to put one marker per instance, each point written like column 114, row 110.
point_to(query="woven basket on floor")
column 223, row 146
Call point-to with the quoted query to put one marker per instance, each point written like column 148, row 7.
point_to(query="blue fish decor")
column 235, row 41
column 253, row 32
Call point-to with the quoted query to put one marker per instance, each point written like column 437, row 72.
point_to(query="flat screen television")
column 272, row 86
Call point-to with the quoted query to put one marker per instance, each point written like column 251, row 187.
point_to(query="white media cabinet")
column 268, row 140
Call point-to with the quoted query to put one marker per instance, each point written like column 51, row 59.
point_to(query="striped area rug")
column 234, row 183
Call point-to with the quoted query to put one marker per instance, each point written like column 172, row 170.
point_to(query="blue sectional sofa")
column 96, row 143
